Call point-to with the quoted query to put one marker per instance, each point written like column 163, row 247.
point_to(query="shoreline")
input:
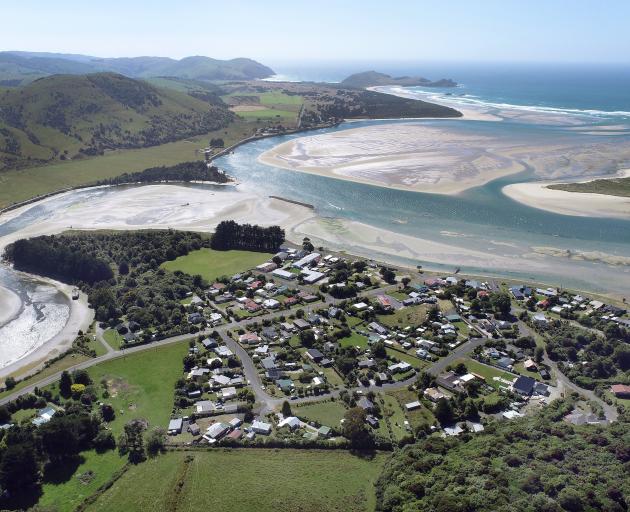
column 578, row 204
column 80, row 317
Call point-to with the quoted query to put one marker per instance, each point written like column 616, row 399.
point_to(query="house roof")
column 524, row 385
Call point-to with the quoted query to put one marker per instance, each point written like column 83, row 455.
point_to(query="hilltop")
column 374, row 78
column 19, row 68
column 72, row 116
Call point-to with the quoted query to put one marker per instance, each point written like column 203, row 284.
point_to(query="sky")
column 274, row 31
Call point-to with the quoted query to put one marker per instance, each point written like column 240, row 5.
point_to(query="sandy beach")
column 10, row 305
column 410, row 156
column 580, row 204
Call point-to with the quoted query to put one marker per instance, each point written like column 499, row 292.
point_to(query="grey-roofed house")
column 175, row 426
column 524, row 385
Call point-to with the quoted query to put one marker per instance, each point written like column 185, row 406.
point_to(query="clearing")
column 247, row 480
column 211, row 264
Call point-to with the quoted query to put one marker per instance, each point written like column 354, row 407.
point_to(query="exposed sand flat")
column 581, row 204
column 10, row 305
column 410, row 156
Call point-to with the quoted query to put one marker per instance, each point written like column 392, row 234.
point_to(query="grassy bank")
column 247, row 480
column 610, row 187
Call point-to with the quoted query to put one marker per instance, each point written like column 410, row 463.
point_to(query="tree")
column 81, row 377
column 405, row 281
column 77, row 390
column 65, row 384
column 123, row 268
column 354, row 428
column 460, row 369
column 378, row 350
column 539, row 353
column 444, row 412
column 156, row 441
column 501, row 302
column 131, row 442
column 286, row 409
column 59, row 438
column 104, row 441
column 9, row 383
column 108, row 413
column 19, row 468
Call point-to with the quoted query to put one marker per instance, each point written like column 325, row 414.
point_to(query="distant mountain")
column 374, row 78
column 19, row 68
column 70, row 116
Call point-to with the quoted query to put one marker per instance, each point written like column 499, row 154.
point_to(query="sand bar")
column 410, row 156
column 580, row 204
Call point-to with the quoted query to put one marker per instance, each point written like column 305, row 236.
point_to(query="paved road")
column 249, row 369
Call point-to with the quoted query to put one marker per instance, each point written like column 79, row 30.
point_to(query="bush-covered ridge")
column 535, row 464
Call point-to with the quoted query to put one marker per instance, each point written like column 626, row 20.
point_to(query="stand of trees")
column 230, row 235
column 186, row 171
column 537, row 463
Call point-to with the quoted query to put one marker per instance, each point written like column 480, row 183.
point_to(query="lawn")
column 418, row 417
column 280, row 98
column 211, row 264
column 326, row 413
column 404, row 356
column 247, row 480
column 354, row 340
column 269, row 113
column 487, row 372
column 113, row 338
column 141, row 385
column 412, row 315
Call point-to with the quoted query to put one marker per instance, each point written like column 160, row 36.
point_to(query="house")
column 323, row 431
column 249, row 338
column 620, row 390
column 360, row 306
column 175, row 426
column 228, row 393
column 198, row 373
column 284, row 274
column 291, row 421
column 372, row 421
column 544, row 374
column 235, row 422
column 267, row 266
column 195, row 318
column 260, row 427
column 314, row 354
column 287, row 327
column 44, row 416
column 365, row 404
column 307, row 260
column 523, row 385
column 223, row 351
column 505, row 362
column 301, row 324
column 216, row 431
column 215, row 319
column 377, row 328
column 271, row 304
column 385, row 302
column 311, row 276
column 366, row 363
column 269, row 363
column 209, row 343
column 412, row 406
column 530, row 365
column 194, row 429
column 400, row 367
column 285, row 385
column 235, row 435
column 251, row 306
column 205, row 407
column 434, row 394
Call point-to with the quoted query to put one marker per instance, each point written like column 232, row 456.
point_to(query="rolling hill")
column 19, row 68
column 72, row 116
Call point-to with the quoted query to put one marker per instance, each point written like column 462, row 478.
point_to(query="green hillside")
column 19, row 68
column 70, row 117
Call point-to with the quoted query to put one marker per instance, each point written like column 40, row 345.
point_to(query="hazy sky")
column 282, row 30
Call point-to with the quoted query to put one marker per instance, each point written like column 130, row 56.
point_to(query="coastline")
column 580, row 204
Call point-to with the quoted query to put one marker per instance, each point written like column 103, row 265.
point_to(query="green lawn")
column 268, row 113
column 279, row 98
column 418, row 417
column 412, row 315
column 485, row 371
column 211, row 264
column 247, row 480
column 326, row 413
column 113, row 339
column 65, row 495
column 354, row 340
column 141, row 385
column 408, row 358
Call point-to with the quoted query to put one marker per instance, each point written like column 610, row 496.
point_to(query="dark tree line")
column 230, row 235
column 186, row 171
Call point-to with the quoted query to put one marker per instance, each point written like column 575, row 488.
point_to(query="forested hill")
column 19, row 68
column 374, row 78
column 534, row 464
column 70, row 116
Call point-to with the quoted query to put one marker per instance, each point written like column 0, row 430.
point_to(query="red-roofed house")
column 620, row 390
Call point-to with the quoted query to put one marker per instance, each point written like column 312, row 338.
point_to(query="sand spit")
column 580, row 204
